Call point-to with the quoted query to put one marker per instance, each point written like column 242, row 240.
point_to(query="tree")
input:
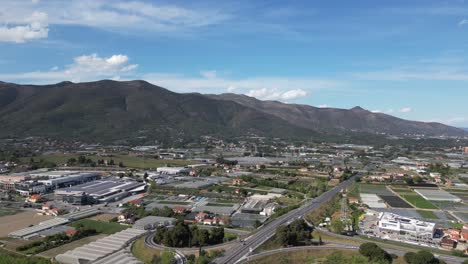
column 121, row 165
column 374, row 253
column 337, row 226
column 320, row 241
column 421, row 257
column 282, row 235
column 180, row 234
column 203, row 237
column 216, row 235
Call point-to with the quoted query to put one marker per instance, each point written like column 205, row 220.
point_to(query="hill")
column 109, row 111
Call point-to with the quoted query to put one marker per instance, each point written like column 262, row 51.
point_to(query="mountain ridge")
column 356, row 118
column 109, row 110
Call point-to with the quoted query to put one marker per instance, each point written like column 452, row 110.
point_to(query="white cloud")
column 463, row 22
column 33, row 27
column 84, row 68
column 323, row 106
column 455, row 120
column 376, row 111
column 274, row 94
column 231, row 89
column 209, row 74
column 121, row 16
column 278, row 88
column 406, row 110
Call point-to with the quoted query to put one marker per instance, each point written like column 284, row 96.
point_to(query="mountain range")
column 106, row 111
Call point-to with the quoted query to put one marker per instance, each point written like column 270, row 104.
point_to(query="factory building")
column 109, row 189
column 63, row 180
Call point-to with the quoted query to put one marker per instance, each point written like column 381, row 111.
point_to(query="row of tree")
column 183, row 235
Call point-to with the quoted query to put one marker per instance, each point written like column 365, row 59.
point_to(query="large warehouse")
column 59, row 180
column 109, row 189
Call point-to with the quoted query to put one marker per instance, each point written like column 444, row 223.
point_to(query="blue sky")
column 405, row 58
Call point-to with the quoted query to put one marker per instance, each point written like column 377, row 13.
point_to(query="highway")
column 239, row 252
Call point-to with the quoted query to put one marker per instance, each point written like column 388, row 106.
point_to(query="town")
column 96, row 203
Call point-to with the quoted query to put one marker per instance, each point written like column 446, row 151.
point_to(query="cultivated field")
column 375, row 189
column 21, row 220
column 395, row 201
column 415, row 199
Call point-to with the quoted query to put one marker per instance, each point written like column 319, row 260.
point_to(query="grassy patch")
column 7, row 211
column 456, row 225
column 427, row 214
column 399, row 190
column 304, row 256
column 143, row 252
column 229, row 236
column 100, row 227
column 70, row 246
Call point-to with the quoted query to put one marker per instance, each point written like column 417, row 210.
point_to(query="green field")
column 128, row 161
column 374, row 188
column 101, row 227
column 417, row 200
column 398, row 190
column 427, row 214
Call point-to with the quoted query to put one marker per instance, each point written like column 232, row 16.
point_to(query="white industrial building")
column 66, row 179
column 402, row 226
column 151, row 222
column 172, row 170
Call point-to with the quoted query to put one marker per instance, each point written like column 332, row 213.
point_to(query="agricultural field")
column 427, row 214
column 463, row 216
column 415, row 199
column 375, row 189
column 395, row 201
column 101, row 227
column 385, row 194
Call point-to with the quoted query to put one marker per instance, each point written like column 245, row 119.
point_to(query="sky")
column 407, row 58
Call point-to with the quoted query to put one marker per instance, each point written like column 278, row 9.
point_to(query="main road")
column 240, row 251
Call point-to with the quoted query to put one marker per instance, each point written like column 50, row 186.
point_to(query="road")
column 239, row 252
